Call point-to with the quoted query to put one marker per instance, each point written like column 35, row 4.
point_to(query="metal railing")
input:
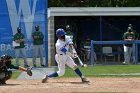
column 115, row 42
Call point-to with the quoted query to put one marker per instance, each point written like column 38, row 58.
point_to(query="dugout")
column 101, row 23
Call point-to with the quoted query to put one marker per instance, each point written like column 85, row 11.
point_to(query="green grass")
column 106, row 71
column 100, row 71
column 15, row 74
column 21, row 62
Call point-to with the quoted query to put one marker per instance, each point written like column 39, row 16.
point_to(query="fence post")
column 92, row 52
column 136, row 53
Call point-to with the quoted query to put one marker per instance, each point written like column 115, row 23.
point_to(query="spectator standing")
column 128, row 36
column 20, row 39
column 38, row 45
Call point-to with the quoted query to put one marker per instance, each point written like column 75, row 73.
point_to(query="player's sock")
column 78, row 72
column 53, row 75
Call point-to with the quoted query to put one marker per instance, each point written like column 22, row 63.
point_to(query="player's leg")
column 22, row 50
column 126, row 55
column 60, row 59
column 17, row 56
column 8, row 75
column 95, row 57
column 130, row 53
column 41, row 55
column 35, row 52
column 2, row 78
column 74, row 66
column 133, row 53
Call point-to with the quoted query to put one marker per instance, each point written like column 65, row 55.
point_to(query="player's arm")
column 17, row 67
column 34, row 36
column 73, row 50
column 22, row 39
column 16, row 39
column 41, row 35
column 136, row 35
column 72, row 47
column 28, row 70
column 61, row 48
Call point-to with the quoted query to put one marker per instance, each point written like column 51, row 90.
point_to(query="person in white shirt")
column 63, row 57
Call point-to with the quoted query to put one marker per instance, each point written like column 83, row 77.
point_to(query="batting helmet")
column 7, row 57
column 60, row 32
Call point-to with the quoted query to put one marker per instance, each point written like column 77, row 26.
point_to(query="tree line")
column 93, row 3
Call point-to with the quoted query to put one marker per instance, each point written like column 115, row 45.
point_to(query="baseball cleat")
column 84, row 80
column 125, row 63
column 45, row 79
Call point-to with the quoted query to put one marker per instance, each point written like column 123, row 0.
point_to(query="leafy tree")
column 94, row 3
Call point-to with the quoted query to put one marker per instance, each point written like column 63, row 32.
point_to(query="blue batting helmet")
column 60, row 32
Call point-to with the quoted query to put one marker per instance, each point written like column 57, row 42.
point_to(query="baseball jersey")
column 136, row 34
column 7, row 65
column 60, row 44
column 18, row 36
column 39, row 39
column 71, row 36
column 129, row 35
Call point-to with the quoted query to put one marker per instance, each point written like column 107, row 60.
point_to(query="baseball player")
column 63, row 57
column 71, row 35
column 38, row 45
column 5, row 65
column 20, row 39
column 128, row 48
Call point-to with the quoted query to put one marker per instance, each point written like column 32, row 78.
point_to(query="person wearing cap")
column 5, row 65
column 128, row 36
column 70, row 34
column 63, row 57
column 20, row 49
column 38, row 37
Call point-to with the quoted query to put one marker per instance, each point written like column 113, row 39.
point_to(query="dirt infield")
column 68, row 85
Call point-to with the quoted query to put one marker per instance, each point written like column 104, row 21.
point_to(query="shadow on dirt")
column 10, row 85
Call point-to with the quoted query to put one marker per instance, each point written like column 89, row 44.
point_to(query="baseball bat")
column 81, row 63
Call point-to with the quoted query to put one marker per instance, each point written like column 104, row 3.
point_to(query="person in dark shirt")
column 38, row 45
column 128, row 36
column 71, row 35
column 20, row 39
column 5, row 65
column 135, row 32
